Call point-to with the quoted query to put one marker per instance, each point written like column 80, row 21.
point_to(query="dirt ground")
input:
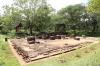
column 21, row 61
column 58, row 42
column 70, row 41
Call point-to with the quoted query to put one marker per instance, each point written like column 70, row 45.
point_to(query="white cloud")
column 5, row 2
column 58, row 4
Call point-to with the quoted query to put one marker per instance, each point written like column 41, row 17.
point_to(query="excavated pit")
column 48, row 48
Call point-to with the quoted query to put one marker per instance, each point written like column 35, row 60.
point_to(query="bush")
column 93, row 34
column 13, row 34
column 78, row 32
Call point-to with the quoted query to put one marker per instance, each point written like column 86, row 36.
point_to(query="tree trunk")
column 31, row 30
column 94, row 25
column 30, row 27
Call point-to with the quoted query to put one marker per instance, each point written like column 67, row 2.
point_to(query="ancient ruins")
column 34, row 48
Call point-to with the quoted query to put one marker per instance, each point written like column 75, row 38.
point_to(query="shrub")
column 78, row 32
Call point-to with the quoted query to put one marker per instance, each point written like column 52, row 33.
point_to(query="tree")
column 6, row 18
column 93, row 9
column 11, row 16
column 72, row 15
column 93, row 6
column 32, row 13
column 0, row 22
column 31, row 10
column 43, row 17
column 94, row 21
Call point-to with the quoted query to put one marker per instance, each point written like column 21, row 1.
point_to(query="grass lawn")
column 6, row 56
column 88, row 56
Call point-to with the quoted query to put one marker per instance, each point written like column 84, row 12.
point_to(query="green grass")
column 6, row 56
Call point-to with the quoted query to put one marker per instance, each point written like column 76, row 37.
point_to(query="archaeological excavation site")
column 45, row 45
column 34, row 48
column 50, row 33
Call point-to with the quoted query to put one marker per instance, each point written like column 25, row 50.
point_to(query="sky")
column 56, row 4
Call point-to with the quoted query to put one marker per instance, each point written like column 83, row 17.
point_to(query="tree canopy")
column 39, row 16
column 93, row 6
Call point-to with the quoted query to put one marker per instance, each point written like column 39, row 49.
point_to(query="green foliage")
column 4, row 31
column 39, row 16
column 95, row 34
column 74, row 16
column 6, row 56
column 36, row 12
column 83, row 32
column 32, row 14
column 93, row 6
column 77, row 32
column 13, row 34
